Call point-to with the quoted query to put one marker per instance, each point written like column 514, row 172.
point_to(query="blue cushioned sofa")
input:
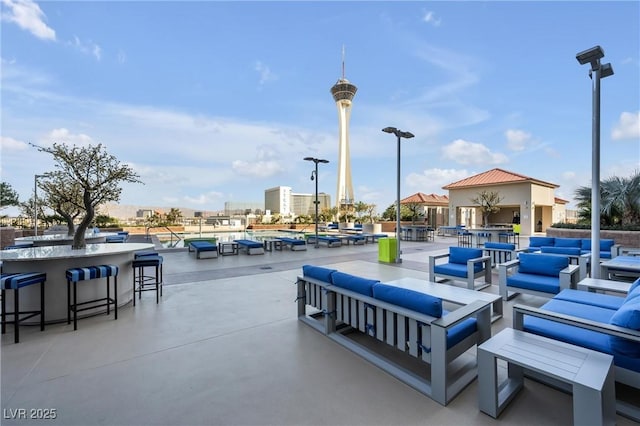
column 538, row 274
column 414, row 323
column 601, row 322
column 464, row 264
column 608, row 248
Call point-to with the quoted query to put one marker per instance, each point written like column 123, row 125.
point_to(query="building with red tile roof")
column 434, row 208
column 523, row 199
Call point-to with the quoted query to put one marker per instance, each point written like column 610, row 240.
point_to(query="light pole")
column 315, row 173
column 598, row 71
column 35, row 202
column 407, row 135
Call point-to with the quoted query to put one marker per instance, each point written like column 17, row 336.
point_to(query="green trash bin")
column 387, row 248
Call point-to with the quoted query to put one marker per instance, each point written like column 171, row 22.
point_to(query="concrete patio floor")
column 224, row 347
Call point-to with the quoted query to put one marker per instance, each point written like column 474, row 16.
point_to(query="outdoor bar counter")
column 63, row 239
column 55, row 260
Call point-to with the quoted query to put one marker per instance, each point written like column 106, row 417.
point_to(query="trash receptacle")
column 387, row 248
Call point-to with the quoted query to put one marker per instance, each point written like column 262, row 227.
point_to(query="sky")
column 212, row 101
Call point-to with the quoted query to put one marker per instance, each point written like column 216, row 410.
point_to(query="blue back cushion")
column 541, row 241
column 568, row 242
column 353, row 283
column 627, row 316
column 605, row 244
column 541, row 264
column 573, row 251
column 462, row 254
column 318, row 272
column 634, row 291
column 409, row 299
column 503, row 246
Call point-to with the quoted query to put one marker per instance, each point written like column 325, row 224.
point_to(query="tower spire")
column 343, row 61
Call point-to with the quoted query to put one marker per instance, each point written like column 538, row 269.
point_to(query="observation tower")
column 343, row 93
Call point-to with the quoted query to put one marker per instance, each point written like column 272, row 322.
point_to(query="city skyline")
column 217, row 101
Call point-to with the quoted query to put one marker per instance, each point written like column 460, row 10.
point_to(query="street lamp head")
column 406, row 135
column 606, row 70
column 592, row 56
column 323, row 161
column 390, row 130
column 308, row 158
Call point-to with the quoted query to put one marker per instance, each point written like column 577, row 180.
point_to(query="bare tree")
column 488, row 202
column 87, row 177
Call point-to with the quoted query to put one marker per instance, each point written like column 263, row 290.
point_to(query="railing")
column 171, row 233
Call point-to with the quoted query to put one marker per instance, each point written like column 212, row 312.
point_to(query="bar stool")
column 464, row 239
column 142, row 282
column 483, row 237
column 74, row 275
column 15, row 282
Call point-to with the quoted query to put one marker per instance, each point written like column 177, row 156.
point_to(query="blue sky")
column 217, row 101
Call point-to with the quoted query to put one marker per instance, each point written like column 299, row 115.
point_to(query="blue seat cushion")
column 572, row 251
column 576, row 335
column 588, row 298
column 249, row 243
column 12, row 281
column 91, row 272
column 328, row 238
column 462, row 254
column 147, row 261
column 538, row 242
column 292, row 241
column 454, row 269
column 568, row 242
column 541, row 264
column 318, row 272
column 410, row 299
column 542, row 283
column 460, row 331
column 627, row 316
column 353, row 283
column 502, row 246
column 634, row 291
column 203, row 246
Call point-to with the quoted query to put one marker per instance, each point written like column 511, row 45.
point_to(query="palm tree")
column 620, row 201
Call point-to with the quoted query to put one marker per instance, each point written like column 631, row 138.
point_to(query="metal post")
column 35, row 203
column 398, row 231
column 595, row 176
column 317, row 202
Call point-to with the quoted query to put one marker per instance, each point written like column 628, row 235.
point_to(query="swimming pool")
column 177, row 239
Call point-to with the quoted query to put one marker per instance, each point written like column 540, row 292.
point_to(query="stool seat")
column 75, row 275
column 16, row 281
column 142, row 282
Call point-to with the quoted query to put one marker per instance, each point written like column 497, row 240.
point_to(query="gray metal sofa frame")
column 471, row 276
column 342, row 311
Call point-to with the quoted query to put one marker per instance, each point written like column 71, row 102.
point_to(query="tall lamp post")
column 35, row 202
column 598, row 71
column 315, row 174
column 407, row 135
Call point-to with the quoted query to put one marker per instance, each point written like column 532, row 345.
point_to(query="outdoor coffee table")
column 627, row 266
column 595, row 285
column 228, row 248
column 272, row 243
column 590, row 374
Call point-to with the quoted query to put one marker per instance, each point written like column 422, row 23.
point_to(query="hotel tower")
column 343, row 92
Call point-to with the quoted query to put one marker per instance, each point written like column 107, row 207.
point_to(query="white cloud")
column 265, row 72
column 517, row 139
column 464, row 152
column 63, row 135
column 87, row 47
column 28, row 16
column 432, row 180
column 430, row 18
column 258, row 169
column 10, row 144
column 627, row 127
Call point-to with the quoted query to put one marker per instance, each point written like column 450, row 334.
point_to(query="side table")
column 589, row 373
column 228, row 248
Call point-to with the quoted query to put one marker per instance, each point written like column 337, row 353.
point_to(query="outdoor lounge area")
column 224, row 346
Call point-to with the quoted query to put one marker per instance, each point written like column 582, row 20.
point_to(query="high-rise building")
column 278, row 200
column 343, row 93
